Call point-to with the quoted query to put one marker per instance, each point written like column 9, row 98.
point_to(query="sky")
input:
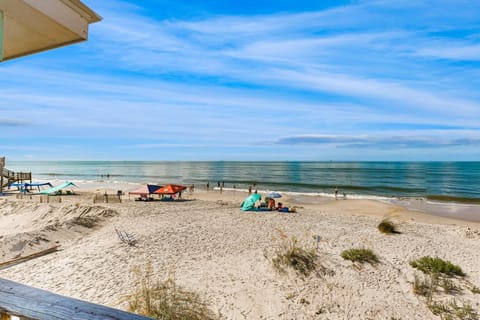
column 376, row 80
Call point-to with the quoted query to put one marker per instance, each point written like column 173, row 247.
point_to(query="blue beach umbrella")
column 249, row 202
column 273, row 195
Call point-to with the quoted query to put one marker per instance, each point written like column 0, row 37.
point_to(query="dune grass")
column 360, row 255
column 440, row 276
column 290, row 253
column 424, row 286
column 388, row 227
column 451, row 310
column 166, row 300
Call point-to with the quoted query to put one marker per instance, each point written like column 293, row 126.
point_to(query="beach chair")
column 125, row 237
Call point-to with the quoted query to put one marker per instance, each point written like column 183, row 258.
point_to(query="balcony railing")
column 18, row 301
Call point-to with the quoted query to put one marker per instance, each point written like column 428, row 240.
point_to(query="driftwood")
column 18, row 260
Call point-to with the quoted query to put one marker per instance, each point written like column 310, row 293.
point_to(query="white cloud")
column 462, row 53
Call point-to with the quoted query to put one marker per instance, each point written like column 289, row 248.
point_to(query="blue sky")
column 253, row 80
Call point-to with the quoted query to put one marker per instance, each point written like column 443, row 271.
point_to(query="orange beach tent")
column 170, row 189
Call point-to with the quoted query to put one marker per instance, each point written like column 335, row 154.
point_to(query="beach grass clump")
column 451, row 310
column 166, row 300
column 429, row 265
column 86, row 221
column 474, row 289
column 449, row 286
column 388, row 227
column 360, row 255
column 290, row 253
column 425, row 286
column 441, row 276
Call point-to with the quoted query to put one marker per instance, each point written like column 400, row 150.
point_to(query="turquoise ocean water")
column 437, row 181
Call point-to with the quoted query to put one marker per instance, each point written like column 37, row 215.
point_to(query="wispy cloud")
column 13, row 123
column 385, row 142
column 452, row 52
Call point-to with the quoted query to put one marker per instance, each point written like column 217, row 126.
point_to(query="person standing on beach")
column 336, row 193
column 249, row 189
column 208, row 185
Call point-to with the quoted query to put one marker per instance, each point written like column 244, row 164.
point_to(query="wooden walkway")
column 28, row 303
column 7, row 177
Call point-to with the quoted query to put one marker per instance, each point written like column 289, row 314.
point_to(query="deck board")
column 36, row 304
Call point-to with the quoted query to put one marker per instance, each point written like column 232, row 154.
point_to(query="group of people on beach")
column 270, row 204
column 221, row 186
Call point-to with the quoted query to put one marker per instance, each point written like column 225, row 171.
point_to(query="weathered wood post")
column 2, row 165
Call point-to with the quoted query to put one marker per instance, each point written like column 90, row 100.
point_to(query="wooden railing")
column 16, row 175
column 8, row 177
column 18, row 301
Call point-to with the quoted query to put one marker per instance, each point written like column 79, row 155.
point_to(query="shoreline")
column 448, row 210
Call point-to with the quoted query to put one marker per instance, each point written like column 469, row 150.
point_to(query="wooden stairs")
column 7, row 177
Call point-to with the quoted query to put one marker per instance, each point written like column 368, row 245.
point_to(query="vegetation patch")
column 360, row 255
column 449, row 286
column 424, row 286
column 86, row 221
column 441, row 276
column 165, row 300
column 388, row 227
column 290, row 253
column 429, row 265
column 451, row 310
column 474, row 289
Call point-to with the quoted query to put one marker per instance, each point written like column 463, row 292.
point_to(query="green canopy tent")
column 249, row 203
column 59, row 188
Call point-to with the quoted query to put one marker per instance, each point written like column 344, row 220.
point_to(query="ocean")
column 436, row 181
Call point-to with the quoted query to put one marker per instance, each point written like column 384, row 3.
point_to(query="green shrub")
column 429, row 265
column 360, row 255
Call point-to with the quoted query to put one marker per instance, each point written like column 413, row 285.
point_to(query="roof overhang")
column 29, row 26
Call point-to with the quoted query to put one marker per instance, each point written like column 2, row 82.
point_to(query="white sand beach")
column 212, row 248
